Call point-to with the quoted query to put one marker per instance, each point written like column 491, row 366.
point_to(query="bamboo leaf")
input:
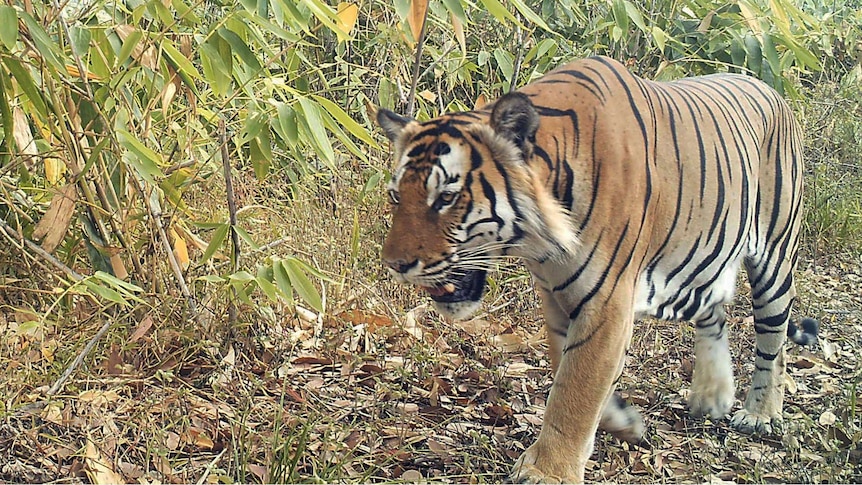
column 303, row 286
column 455, row 7
column 530, row 15
column 416, row 18
column 145, row 160
column 312, row 118
column 500, row 12
column 8, row 26
column 26, row 83
column 217, row 240
column 346, row 121
column 240, row 48
column 46, row 46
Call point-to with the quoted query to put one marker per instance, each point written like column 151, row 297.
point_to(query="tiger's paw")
column 622, row 420
column 748, row 422
column 712, row 393
column 713, row 401
column 530, row 468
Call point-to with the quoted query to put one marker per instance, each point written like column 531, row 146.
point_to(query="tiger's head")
column 464, row 195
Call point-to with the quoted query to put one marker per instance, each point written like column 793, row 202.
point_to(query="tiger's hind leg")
column 712, row 388
column 772, row 294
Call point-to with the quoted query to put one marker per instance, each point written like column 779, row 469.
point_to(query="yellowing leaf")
column 54, row 170
column 427, row 95
column 180, row 249
column 98, row 467
column 118, row 266
column 22, row 134
column 458, row 28
column 347, row 13
column 416, row 18
column 52, row 227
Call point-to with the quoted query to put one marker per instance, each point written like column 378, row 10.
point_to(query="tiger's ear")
column 391, row 122
column 515, row 118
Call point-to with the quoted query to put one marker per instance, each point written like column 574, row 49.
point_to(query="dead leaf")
column 98, row 467
column 52, row 227
column 259, row 471
column 413, row 476
column 347, row 14
column 828, row 418
column 143, row 327
column 416, row 17
column 508, row 342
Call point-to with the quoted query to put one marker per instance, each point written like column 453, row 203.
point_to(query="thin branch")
column 231, row 207
column 411, row 100
column 45, row 255
column 519, row 41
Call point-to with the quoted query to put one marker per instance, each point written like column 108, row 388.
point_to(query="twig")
column 265, row 247
column 58, row 384
column 41, row 252
column 210, row 467
column 519, row 41
column 411, row 100
column 231, row 207
column 156, row 214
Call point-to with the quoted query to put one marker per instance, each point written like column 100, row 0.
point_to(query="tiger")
column 625, row 198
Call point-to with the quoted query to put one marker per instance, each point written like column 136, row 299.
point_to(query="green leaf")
column 244, row 235
column 282, row 280
column 241, row 276
column 264, row 281
column 287, row 126
column 634, row 14
column 216, row 72
column 457, row 10
column 80, row 39
column 21, row 74
column 505, row 62
column 6, row 119
column 106, row 293
column 346, row 121
column 530, row 15
column 621, row 17
column 314, row 122
column 8, row 26
column 184, row 67
column 771, row 54
column 145, row 160
column 303, row 286
column 45, row 45
column 499, row 11
column 659, row 36
column 129, row 44
column 327, row 16
column 240, row 48
column 217, row 240
column 117, row 282
column 754, row 57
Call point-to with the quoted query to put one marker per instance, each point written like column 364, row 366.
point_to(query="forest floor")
column 380, row 388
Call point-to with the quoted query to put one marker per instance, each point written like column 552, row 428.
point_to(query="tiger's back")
column 682, row 190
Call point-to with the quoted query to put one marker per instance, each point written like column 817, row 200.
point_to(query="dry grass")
column 378, row 388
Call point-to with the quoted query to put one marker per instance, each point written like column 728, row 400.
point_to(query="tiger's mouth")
column 464, row 286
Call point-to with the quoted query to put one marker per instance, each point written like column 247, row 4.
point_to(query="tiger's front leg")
column 589, row 363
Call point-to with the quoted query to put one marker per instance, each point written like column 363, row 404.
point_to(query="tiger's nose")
column 400, row 265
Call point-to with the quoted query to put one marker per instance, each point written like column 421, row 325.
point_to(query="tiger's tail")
column 807, row 335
